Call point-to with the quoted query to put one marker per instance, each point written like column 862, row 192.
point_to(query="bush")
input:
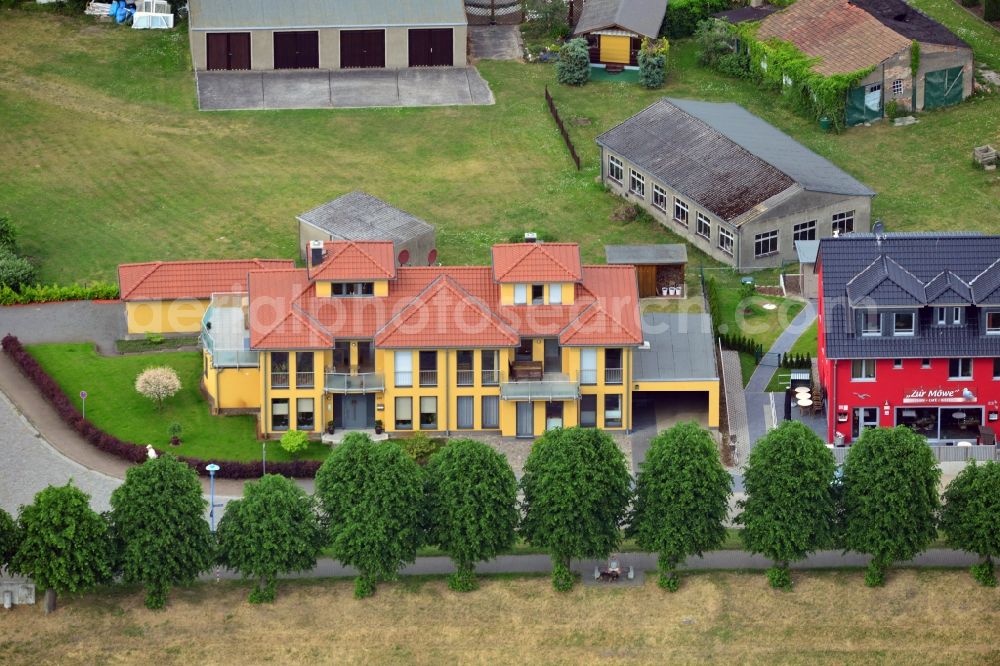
column 779, row 578
column 970, row 3
column 573, row 67
column 991, row 10
column 50, row 293
column 15, row 271
column 420, row 447
column 158, row 384
column 8, row 236
column 683, row 17
column 653, row 62
column 295, row 441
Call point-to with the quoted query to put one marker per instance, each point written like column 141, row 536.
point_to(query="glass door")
column 525, row 419
column 864, row 417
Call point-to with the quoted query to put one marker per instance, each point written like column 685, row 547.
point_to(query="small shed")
column 614, row 29
column 660, row 267
column 807, row 251
column 359, row 216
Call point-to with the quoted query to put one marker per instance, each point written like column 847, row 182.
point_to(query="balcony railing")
column 428, row 377
column 305, row 379
column 279, row 380
column 340, row 382
column 546, row 389
column 588, row 377
column 612, row 375
column 491, row 377
column 466, row 377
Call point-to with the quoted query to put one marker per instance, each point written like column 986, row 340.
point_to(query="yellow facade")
column 566, row 289
column 231, row 388
column 324, row 288
column 164, row 317
column 615, row 48
column 295, row 389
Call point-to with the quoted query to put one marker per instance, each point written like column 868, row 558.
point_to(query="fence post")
column 562, row 128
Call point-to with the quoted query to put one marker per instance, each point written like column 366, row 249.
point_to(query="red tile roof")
column 356, row 260
column 164, row 280
column 536, row 262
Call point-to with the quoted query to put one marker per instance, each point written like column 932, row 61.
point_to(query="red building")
column 909, row 334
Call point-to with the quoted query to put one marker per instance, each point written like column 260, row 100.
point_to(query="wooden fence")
column 562, row 128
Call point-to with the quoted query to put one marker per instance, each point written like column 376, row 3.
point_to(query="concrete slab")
column 221, row 91
column 364, row 88
column 304, row 89
column 481, row 93
column 434, row 86
column 496, row 42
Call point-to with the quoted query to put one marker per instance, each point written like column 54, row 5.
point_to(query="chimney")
column 315, row 253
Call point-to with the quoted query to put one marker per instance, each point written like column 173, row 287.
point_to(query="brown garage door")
column 296, row 50
column 228, row 50
column 362, row 48
column 431, row 47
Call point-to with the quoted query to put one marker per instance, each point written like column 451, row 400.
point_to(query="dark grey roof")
column 360, row 216
column 888, row 273
column 247, row 14
column 695, row 159
column 643, row 17
column 744, row 14
column 681, row 347
column 948, row 289
column 644, row 255
column 802, row 165
column 806, row 251
column 909, row 22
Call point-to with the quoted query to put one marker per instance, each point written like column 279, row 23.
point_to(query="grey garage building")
column 360, row 216
column 327, row 34
column 736, row 187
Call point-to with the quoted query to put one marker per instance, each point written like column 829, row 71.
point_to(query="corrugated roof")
column 361, row 216
column 681, row 347
column 249, row 14
column 644, row 255
column 536, row 262
column 643, row 17
column 163, row 280
column 355, row 260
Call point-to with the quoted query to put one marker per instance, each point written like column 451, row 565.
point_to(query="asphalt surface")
column 496, row 42
column 102, row 322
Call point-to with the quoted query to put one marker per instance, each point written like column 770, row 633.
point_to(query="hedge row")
column 50, row 293
column 130, row 451
column 683, row 16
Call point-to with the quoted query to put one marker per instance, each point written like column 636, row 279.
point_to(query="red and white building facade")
column 909, row 334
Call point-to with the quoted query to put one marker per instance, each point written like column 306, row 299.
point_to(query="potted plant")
column 175, row 433
column 329, row 427
column 378, row 427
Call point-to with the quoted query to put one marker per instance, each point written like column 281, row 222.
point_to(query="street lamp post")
column 83, row 401
column 212, row 469
column 263, row 457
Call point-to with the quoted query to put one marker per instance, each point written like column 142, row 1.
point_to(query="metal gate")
column 943, row 88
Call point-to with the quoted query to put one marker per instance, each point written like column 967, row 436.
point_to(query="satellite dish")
column 878, row 228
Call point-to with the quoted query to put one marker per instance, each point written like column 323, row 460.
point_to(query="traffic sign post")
column 83, row 399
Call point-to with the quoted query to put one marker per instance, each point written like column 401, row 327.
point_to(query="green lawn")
column 984, row 39
column 114, row 406
column 806, row 344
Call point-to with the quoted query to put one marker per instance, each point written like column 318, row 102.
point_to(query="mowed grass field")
column 105, row 158
column 920, row 617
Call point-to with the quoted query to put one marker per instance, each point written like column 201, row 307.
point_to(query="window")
column 897, row 364
column 279, row 414
column 897, row 88
column 903, row 323
column 948, row 316
column 612, row 366
column 588, row 366
column 279, row 369
column 804, row 231
column 588, row 411
column 465, row 373
column 304, row 375
column 491, row 411
column 464, row 409
column 925, row 363
column 520, row 294
column 491, row 376
column 863, row 370
column 353, row 288
column 960, row 368
column 613, row 411
column 871, row 323
column 403, row 361
column 659, row 198
column 703, row 226
column 843, row 223
column 428, row 368
column 726, row 241
column 615, row 171
column 555, row 294
column 304, row 414
column 680, row 211
column 996, row 368
column 538, row 294
column 636, row 183
column 428, row 412
column 765, row 244
column 404, row 413
column 993, row 323
column 553, row 415
column 525, row 351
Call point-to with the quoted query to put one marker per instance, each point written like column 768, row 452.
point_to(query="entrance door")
column 943, row 88
column 228, row 50
column 553, row 355
column 525, row 419
column 864, row 417
column 296, row 50
column 362, row 48
column 355, row 412
column 864, row 104
column 431, row 47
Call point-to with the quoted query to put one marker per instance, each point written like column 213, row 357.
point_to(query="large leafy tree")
column 682, row 498
column 158, row 516
column 577, row 488
column 8, row 537
column 274, row 529
column 890, row 498
column 789, row 509
column 471, row 506
column 372, row 495
column 971, row 516
column 64, row 546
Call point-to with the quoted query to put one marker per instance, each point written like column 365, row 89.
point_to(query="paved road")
column 74, row 321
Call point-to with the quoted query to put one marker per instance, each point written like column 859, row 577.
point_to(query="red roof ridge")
column 531, row 248
column 153, row 265
column 261, row 342
column 589, row 313
column 342, row 246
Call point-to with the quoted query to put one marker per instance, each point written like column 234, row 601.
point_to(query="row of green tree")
column 374, row 506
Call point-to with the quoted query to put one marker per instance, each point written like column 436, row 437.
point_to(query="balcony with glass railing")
column 342, row 382
column 224, row 333
column 551, row 386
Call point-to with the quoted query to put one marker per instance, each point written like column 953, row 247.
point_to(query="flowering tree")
column 158, row 384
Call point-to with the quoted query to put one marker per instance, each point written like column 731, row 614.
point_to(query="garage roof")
column 360, row 216
column 681, row 347
column 268, row 14
column 666, row 254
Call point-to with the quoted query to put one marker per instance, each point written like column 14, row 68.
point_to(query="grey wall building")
column 360, row 216
column 736, row 187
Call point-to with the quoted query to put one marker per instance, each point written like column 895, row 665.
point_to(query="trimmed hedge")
column 51, row 293
column 683, row 16
column 130, row 451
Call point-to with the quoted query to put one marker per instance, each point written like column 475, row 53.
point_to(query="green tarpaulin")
column 864, row 104
column 943, row 88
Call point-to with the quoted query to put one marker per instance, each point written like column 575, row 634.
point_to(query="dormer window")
column 871, row 323
column 353, row 288
column 520, row 294
column 904, row 323
column 538, row 294
column 555, row 294
column 948, row 316
column 993, row 323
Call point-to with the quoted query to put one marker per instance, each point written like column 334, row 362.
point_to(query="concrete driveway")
column 323, row 89
column 496, row 42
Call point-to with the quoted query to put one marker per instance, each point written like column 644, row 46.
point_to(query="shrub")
column 971, row 516
column 714, row 41
column 970, row 3
column 573, row 67
column 991, row 10
column 684, row 16
column 420, row 447
column 8, row 236
column 42, row 293
column 158, row 384
column 15, row 271
column 295, row 441
column 653, row 62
